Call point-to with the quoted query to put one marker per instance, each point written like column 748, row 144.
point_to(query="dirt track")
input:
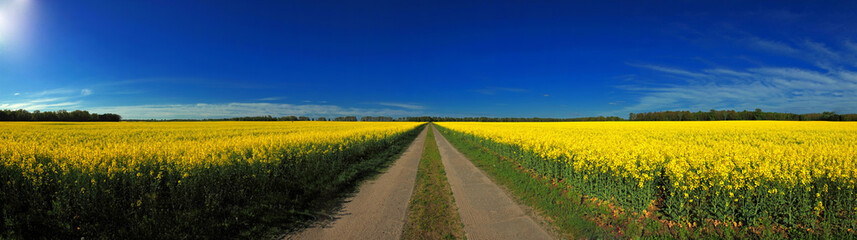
column 485, row 209
column 379, row 209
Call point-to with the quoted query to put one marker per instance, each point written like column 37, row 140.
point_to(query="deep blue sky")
column 201, row 59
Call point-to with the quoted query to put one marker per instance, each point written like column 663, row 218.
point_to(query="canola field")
column 790, row 175
column 157, row 178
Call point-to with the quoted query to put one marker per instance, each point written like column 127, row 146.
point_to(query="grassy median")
column 432, row 213
column 559, row 207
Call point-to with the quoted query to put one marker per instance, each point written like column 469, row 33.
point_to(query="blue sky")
column 209, row 59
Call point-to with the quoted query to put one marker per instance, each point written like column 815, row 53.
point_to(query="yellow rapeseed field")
column 793, row 173
column 112, row 147
column 179, row 179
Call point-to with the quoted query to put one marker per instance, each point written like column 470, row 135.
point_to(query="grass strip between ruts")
column 432, row 213
column 557, row 206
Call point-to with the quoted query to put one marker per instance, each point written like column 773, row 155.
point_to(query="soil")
column 379, row 209
column 486, row 211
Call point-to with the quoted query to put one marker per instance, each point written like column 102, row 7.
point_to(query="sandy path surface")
column 487, row 212
column 379, row 209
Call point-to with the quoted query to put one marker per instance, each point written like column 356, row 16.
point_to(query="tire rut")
column 486, row 211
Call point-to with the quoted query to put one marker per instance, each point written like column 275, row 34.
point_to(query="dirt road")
column 379, row 209
column 487, row 212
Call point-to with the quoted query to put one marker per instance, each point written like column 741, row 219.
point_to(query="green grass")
column 562, row 208
column 432, row 213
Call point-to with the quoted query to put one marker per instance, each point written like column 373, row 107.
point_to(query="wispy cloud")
column 821, row 49
column 53, row 99
column 402, row 105
column 44, row 100
column 227, row 110
column 496, row 90
column 670, row 70
column 40, row 106
column 271, row 98
column 830, row 87
column 774, row 89
column 852, row 46
column 58, row 91
column 771, row 46
column 818, row 54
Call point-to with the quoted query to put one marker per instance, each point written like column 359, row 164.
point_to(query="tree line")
column 712, row 115
column 269, row 118
column 719, row 115
column 255, row 118
column 249, row 118
column 376, row 119
column 57, row 116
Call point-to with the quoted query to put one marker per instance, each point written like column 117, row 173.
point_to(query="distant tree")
column 346, row 118
column 376, row 119
column 757, row 114
column 61, row 115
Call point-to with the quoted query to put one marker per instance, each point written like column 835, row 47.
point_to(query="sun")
column 13, row 16
column 4, row 25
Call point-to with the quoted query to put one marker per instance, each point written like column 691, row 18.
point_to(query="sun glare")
column 4, row 24
column 13, row 16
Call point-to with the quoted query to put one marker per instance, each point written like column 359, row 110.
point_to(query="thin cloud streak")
column 674, row 71
column 402, row 105
column 831, row 87
column 41, row 106
column 774, row 89
column 271, row 98
column 48, row 100
column 772, row 46
column 497, row 90
column 228, row 110
column 58, row 91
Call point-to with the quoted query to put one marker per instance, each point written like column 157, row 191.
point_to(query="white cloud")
column 401, row 105
column 772, row 89
column 496, row 90
column 58, row 91
column 673, row 71
column 781, row 89
column 44, row 106
column 818, row 54
column 771, row 46
column 227, row 110
column 44, row 100
column 821, row 50
column 48, row 100
column 852, row 46
column 271, row 98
